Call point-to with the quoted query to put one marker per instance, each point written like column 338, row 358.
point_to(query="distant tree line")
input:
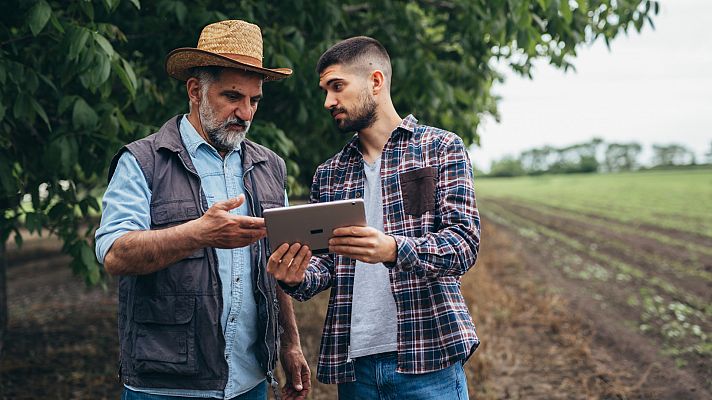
column 592, row 156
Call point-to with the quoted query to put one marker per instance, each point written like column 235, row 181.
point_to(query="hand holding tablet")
column 312, row 224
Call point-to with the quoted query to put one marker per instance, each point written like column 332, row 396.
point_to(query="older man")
column 182, row 227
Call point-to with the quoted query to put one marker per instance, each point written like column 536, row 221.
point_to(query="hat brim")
column 179, row 63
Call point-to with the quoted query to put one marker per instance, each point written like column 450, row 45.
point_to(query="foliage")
column 67, row 103
column 507, row 167
column 672, row 154
column 80, row 78
column 576, row 158
column 622, row 156
column 583, row 157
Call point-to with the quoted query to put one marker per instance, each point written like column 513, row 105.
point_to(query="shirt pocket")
column 418, row 190
column 165, row 335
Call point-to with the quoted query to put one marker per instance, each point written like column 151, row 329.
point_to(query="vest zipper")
column 270, row 357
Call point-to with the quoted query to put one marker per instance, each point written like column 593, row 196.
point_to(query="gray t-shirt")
column 373, row 315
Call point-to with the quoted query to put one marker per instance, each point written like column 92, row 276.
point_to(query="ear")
column 378, row 82
column 194, row 92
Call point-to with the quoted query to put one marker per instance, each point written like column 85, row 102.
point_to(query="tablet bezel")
column 312, row 224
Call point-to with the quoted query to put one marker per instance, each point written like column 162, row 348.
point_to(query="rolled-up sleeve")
column 126, row 205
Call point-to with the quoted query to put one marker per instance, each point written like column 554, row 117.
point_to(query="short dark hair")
column 362, row 50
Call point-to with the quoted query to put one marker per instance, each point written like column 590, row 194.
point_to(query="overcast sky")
column 652, row 87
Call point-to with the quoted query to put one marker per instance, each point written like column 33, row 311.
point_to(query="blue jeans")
column 259, row 392
column 377, row 379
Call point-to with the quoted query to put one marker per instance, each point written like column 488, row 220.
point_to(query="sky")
column 653, row 87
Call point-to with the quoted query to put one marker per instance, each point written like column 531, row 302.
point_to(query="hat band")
column 243, row 59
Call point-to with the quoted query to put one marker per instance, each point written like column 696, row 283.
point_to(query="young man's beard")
column 363, row 116
column 220, row 136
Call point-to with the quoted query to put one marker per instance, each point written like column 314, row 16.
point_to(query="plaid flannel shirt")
column 429, row 208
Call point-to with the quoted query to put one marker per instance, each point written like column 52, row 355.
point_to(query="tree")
column 79, row 78
column 507, row 167
column 579, row 157
column 708, row 155
column 622, row 156
column 672, row 154
column 537, row 161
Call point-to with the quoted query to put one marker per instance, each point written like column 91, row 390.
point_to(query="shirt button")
column 232, row 319
column 358, row 194
column 237, row 279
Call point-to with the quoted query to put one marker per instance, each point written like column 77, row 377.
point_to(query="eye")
column 338, row 86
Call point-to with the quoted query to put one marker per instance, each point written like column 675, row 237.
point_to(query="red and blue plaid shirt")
column 429, row 208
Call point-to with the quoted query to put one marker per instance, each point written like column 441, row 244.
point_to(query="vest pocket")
column 172, row 212
column 165, row 335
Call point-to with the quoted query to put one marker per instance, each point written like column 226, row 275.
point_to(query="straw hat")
column 231, row 43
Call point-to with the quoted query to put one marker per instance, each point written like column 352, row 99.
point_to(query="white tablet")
column 312, row 224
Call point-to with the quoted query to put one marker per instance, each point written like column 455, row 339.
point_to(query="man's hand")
column 288, row 263
column 297, row 373
column 364, row 244
column 220, row 229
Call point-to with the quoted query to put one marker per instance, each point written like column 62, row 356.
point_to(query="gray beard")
column 220, row 137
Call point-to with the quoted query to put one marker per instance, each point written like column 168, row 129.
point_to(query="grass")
column 637, row 241
column 679, row 200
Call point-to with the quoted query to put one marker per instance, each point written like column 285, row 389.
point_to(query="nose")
column 244, row 110
column 330, row 101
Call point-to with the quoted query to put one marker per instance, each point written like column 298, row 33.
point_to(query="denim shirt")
column 126, row 208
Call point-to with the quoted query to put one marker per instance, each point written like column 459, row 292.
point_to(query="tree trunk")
column 3, row 297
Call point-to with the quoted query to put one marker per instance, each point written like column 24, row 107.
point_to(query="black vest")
column 170, row 333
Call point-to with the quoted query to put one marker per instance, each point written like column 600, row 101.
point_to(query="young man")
column 397, row 325
column 182, row 227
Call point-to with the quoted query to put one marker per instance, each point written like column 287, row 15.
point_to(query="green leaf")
column 78, row 39
column 130, row 73
column 8, row 183
column 41, row 112
column 55, row 22
column 68, row 154
column 83, row 116
column 65, row 103
column 2, row 112
column 136, row 4
column 98, row 73
column 48, row 82
column 103, row 43
column 22, row 109
column 566, row 11
column 39, row 15
column 91, row 266
column 88, row 8
column 181, row 12
column 18, row 239
column 111, row 5
column 33, row 222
